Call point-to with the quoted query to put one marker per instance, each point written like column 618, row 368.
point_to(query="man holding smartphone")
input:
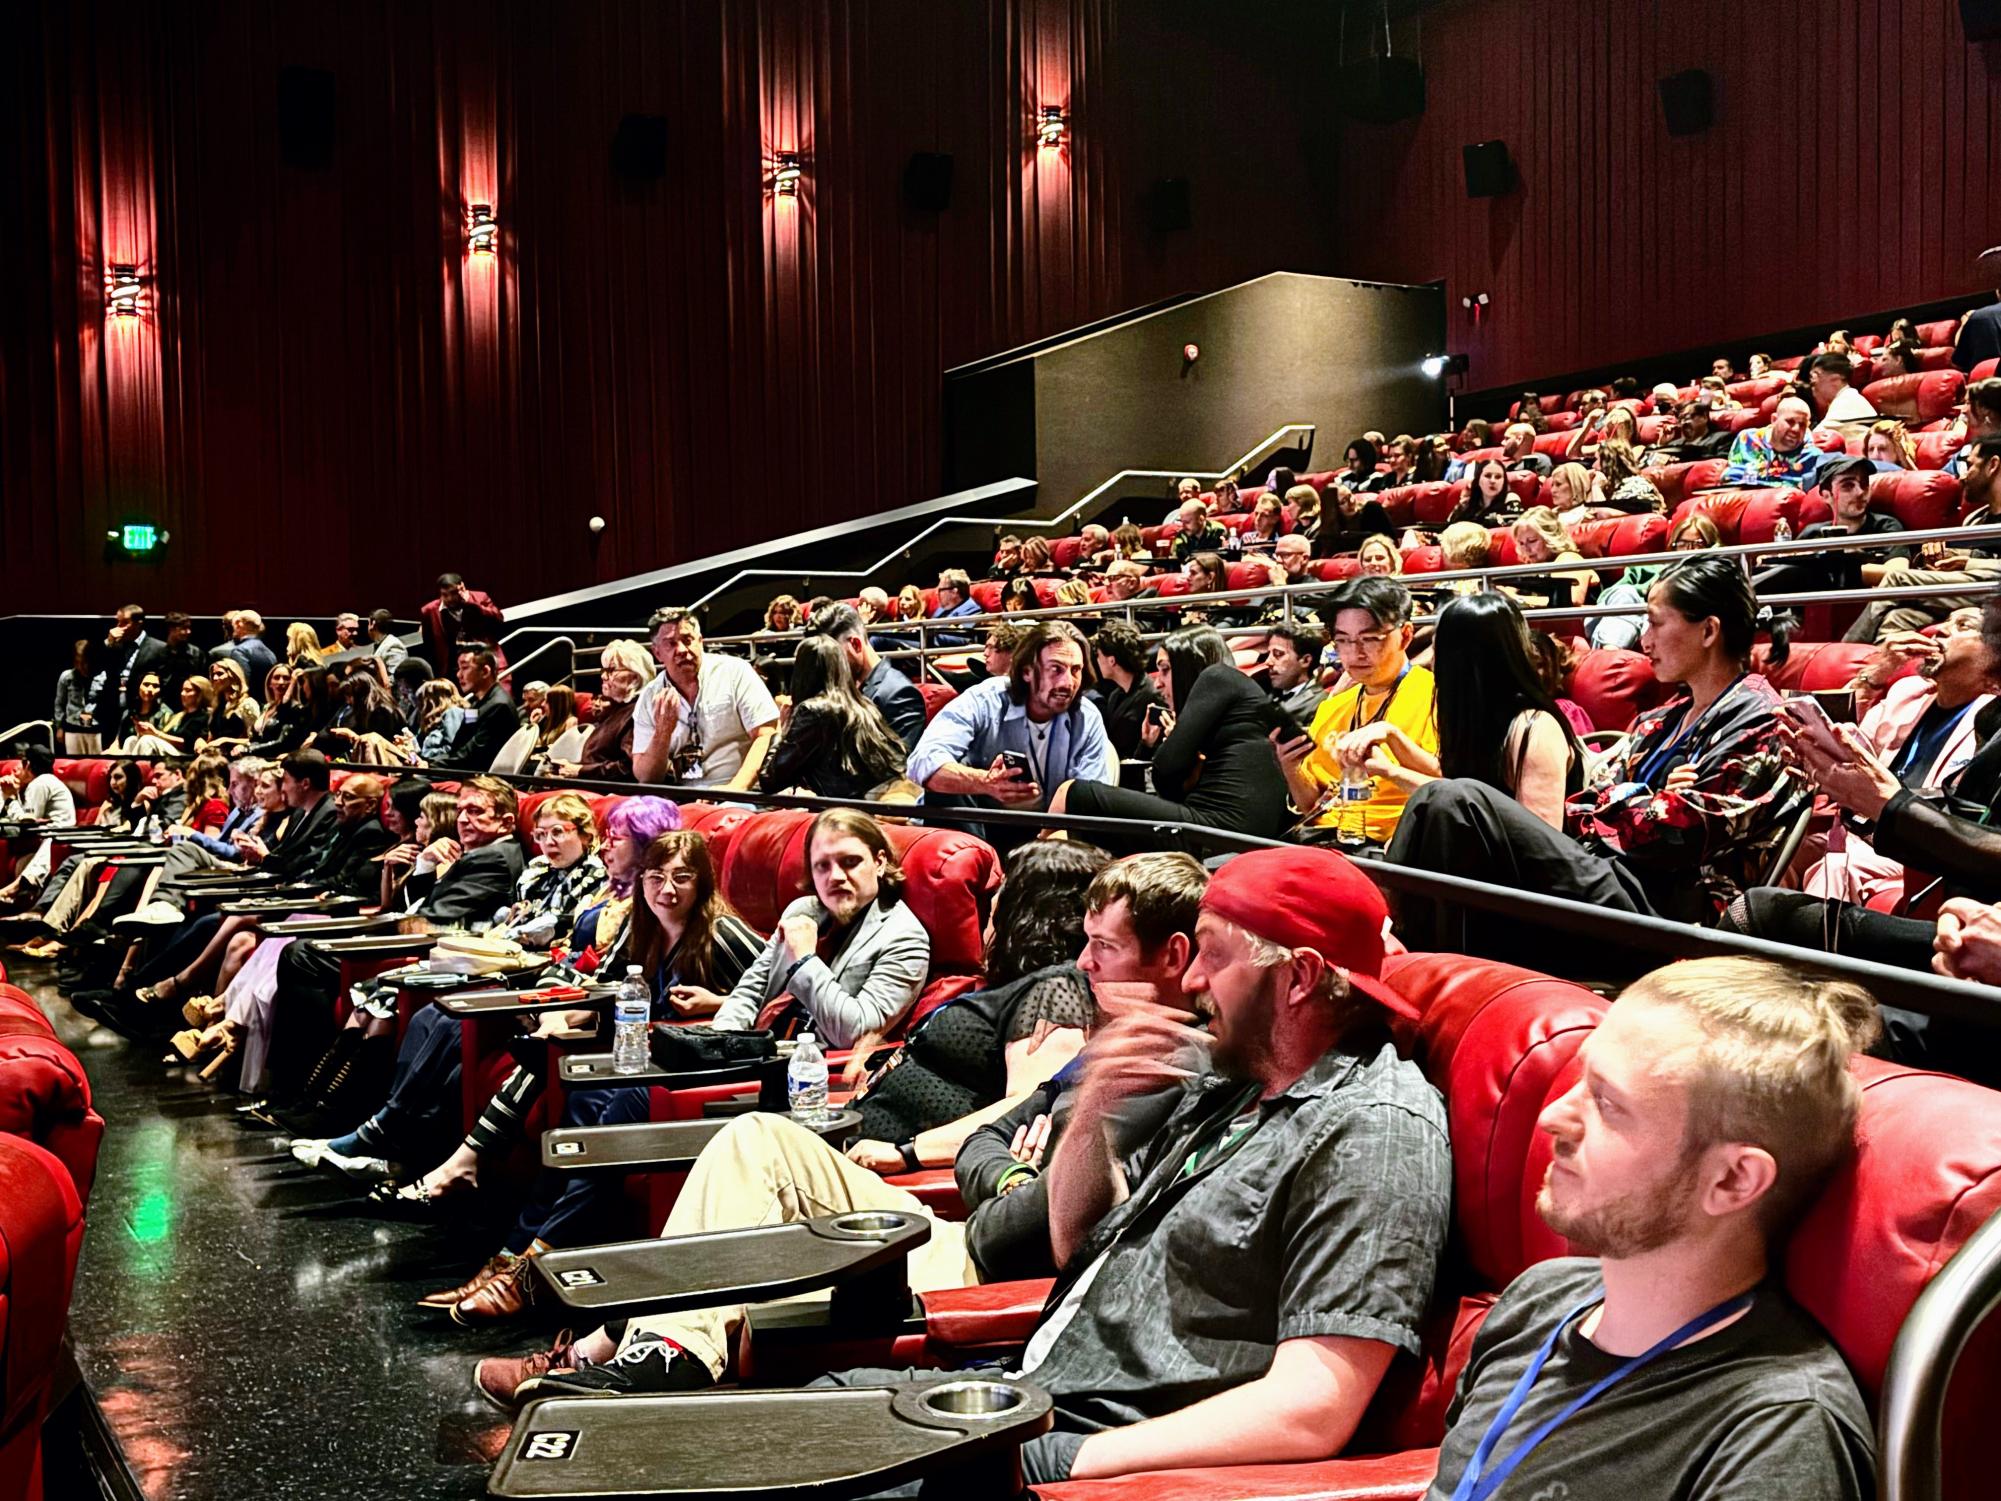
column 1039, row 714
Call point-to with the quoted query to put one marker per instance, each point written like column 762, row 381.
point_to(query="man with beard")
column 1012, row 741
column 1235, row 1281
column 1713, row 1102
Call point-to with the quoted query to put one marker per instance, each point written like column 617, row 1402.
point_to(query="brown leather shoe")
column 502, row 1296
column 464, row 1290
column 499, row 1377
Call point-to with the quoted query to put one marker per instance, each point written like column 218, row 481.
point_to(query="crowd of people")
column 1173, row 1086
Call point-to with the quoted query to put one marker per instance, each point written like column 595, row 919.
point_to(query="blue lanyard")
column 1479, row 1482
column 1644, row 776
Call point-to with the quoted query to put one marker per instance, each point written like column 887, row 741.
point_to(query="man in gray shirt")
column 1716, row 1384
column 1234, row 1285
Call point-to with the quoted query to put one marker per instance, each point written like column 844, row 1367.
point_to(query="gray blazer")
column 872, row 983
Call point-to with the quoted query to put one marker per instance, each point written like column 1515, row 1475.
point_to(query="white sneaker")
column 361, row 1169
column 308, row 1150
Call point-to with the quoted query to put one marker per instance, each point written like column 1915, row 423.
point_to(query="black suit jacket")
column 349, row 866
column 481, row 737
column 304, row 843
column 901, row 704
column 150, row 655
column 476, row 885
column 1122, row 710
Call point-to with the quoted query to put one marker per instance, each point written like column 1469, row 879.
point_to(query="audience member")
column 1842, row 408
column 606, row 756
column 1980, row 419
column 1197, row 533
column 1518, row 451
column 129, row 654
column 387, row 646
column 1540, row 537
column 302, row 646
column 832, row 741
column 490, row 715
column 707, row 720
column 182, row 659
column 1212, row 762
column 1292, row 668
column 1779, row 453
column 1673, row 826
column 1361, row 476
column 1378, row 557
column 1488, row 499
column 1844, row 483
column 458, row 617
column 1368, row 620
column 1889, row 445
column 1124, row 691
column 44, row 801
column 1739, row 1069
column 74, row 717
column 1939, row 564
column 1979, row 336
column 955, row 598
column 1011, row 741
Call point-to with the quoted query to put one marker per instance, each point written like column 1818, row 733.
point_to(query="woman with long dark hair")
column 1488, row 499
column 1674, row 826
column 1497, row 722
column 1212, row 760
column 835, row 742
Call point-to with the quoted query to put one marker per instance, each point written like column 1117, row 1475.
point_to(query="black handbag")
column 681, row 1050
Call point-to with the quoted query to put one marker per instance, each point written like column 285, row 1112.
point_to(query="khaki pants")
column 1887, row 615
column 767, row 1170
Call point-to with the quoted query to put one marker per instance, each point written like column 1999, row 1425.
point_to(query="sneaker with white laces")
column 645, row 1366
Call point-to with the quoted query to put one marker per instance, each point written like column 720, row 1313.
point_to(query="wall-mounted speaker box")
column 1380, row 90
column 1490, row 171
column 639, row 147
column 1982, row 20
column 927, row 181
column 1167, row 205
column 306, row 117
column 1688, row 102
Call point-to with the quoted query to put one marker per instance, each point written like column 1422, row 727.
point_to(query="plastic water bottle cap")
column 632, row 971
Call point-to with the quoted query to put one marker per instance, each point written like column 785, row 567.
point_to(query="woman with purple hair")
column 628, row 830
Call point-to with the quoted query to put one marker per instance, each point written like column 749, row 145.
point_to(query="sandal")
column 203, row 1011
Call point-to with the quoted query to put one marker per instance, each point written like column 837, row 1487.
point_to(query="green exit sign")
column 140, row 538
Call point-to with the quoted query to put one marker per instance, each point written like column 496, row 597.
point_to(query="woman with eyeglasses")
column 607, row 752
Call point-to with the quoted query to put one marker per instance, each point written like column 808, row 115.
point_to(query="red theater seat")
column 987, row 595
column 1246, row 574
column 1562, row 422
column 1985, row 370
column 1938, row 331
column 1935, row 449
column 1926, row 396
column 1816, row 666
column 1553, row 446
column 936, row 696
column 1064, row 552
column 1746, row 515
column 1334, row 569
column 41, row 1234
column 44, row 1092
column 1752, row 392
column 1614, row 687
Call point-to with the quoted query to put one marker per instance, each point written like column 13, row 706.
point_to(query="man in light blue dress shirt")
column 1039, row 713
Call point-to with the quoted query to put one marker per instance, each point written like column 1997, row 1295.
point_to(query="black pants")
column 420, row 1120
column 579, row 1209
column 1241, row 805
column 180, row 950
column 302, row 1022
column 1461, row 827
column 1967, row 1049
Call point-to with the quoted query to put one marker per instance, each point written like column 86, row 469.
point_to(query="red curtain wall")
column 328, row 401
column 1851, row 169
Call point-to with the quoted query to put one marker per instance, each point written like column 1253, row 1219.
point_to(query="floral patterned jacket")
column 1696, row 847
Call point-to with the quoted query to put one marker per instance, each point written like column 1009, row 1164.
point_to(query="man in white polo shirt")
column 706, row 721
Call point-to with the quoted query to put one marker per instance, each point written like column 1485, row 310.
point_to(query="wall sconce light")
column 785, row 174
column 483, row 237
column 1438, row 365
column 123, row 292
column 1052, row 126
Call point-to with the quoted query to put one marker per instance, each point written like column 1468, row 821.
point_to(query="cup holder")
column 867, row 1222
column 973, row 1399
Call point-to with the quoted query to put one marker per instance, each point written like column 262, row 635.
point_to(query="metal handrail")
column 514, row 668
column 1910, row 1415
column 11, row 736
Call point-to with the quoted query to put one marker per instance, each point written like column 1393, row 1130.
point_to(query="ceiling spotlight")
column 1051, row 126
column 122, row 292
column 786, row 172
column 483, row 237
column 1437, row 365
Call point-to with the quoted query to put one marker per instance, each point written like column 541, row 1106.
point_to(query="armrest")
column 331, row 927
column 658, row 1145
column 936, row 1188
column 257, row 906
column 984, row 1315
column 498, row 1001
column 371, row 945
column 729, row 1442
column 860, row 1255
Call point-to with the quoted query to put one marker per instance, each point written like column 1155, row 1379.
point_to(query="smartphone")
column 1277, row 717
column 1016, row 762
column 1151, row 718
column 1813, row 721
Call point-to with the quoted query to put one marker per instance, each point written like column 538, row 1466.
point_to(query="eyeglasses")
column 653, row 880
column 1369, row 641
column 554, row 830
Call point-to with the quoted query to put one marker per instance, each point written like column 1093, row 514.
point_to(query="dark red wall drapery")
column 328, row 402
column 1851, row 168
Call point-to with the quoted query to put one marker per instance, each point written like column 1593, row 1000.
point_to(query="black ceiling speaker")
column 639, row 147
column 1688, row 101
column 306, row 117
column 927, row 181
column 1380, row 90
column 1490, row 171
column 1167, row 205
column 1982, row 20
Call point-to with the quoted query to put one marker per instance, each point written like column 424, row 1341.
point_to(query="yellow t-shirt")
column 1413, row 708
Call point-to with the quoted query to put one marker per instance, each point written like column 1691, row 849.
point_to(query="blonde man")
column 1713, row 1103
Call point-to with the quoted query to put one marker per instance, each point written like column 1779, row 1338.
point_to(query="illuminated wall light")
column 786, row 172
column 483, row 238
column 1052, row 127
column 123, row 292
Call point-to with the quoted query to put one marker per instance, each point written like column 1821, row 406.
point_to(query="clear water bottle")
column 806, row 1081
column 1782, row 531
column 632, row 1013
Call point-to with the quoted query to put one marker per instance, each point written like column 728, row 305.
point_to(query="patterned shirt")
column 1721, row 830
column 1753, row 458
